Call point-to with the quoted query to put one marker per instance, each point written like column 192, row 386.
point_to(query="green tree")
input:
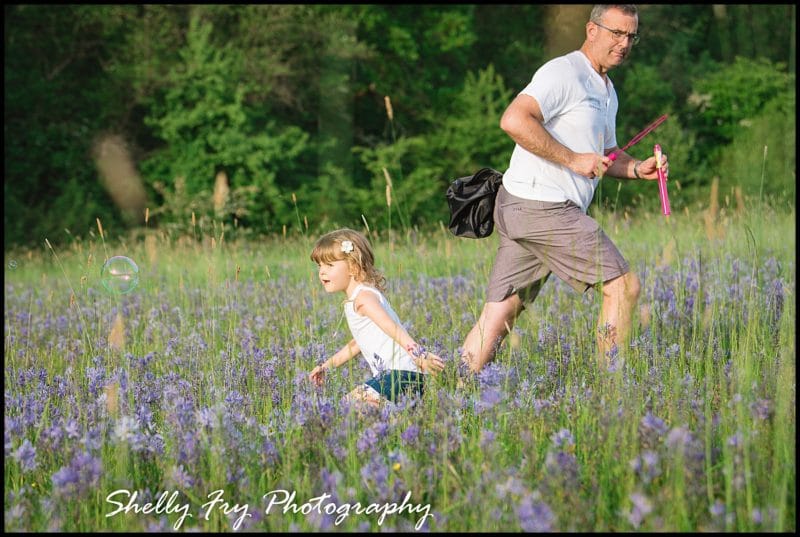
column 762, row 156
column 204, row 122
column 467, row 138
column 734, row 93
column 56, row 99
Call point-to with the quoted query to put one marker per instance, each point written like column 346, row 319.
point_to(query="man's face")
column 613, row 37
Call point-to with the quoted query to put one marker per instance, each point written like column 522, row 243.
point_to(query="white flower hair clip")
column 347, row 247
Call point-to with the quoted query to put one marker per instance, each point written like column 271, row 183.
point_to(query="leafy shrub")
column 735, row 93
column 465, row 138
column 745, row 163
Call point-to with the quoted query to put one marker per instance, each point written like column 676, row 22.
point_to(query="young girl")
column 346, row 264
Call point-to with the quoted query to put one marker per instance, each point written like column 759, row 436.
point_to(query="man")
column 564, row 125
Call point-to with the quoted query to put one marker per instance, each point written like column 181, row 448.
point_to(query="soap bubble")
column 120, row 275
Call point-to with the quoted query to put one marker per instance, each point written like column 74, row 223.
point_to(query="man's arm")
column 523, row 122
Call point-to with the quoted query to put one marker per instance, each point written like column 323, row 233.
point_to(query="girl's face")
column 335, row 275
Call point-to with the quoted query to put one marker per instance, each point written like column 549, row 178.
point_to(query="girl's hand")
column 317, row 375
column 430, row 363
column 427, row 362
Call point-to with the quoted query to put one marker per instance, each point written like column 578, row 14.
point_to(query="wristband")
column 636, row 170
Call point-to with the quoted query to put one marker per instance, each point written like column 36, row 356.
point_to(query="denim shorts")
column 391, row 383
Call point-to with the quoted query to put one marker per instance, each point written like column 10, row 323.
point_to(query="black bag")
column 471, row 201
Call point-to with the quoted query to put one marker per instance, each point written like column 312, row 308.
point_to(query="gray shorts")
column 540, row 237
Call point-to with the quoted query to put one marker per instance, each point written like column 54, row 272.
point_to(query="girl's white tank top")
column 381, row 352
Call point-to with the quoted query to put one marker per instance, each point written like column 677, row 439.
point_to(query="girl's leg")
column 363, row 396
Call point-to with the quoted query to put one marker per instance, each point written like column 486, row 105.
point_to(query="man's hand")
column 647, row 168
column 590, row 165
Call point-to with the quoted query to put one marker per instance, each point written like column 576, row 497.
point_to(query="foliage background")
column 289, row 101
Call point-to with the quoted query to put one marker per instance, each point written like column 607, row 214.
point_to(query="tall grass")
column 207, row 389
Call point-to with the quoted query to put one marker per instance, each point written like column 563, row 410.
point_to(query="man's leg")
column 614, row 326
column 496, row 319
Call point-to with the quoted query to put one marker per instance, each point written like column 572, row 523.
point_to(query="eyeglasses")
column 619, row 35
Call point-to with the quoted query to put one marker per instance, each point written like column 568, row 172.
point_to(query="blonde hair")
column 329, row 248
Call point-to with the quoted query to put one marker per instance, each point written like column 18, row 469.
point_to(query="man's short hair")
column 600, row 9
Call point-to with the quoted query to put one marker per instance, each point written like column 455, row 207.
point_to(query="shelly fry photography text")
column 175, row 504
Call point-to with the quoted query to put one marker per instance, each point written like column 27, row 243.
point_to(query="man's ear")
column 591, row 30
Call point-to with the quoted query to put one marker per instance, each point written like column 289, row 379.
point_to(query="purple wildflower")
column 65, row 481
column 410, row 435
column 25, row 455
column 718, row 509
column 640, row 509
column 331, row 480
column 540, row 404
column 72, row 429
column 513, row 486
column 489, row 398
column 14, row 515
column 188, row 448
column 269, row 452
column 126, row 429
column 679, row 438
column 761, row 409
column 534, row 516
column 375, row 475
column 672, row 351
column 646, row 466
column 80, row 477
column 7, row 442
column 92, row 439
column 561, row 466
column 335, row 443
column 774, row 300
column 156, row 444
column 651, row 429
column 179, row 478
column 487, row 439
column 207, row 418
column 563, row 438
column 755, row 516
column 735, row 439
column 491, row 375
column 371, row 436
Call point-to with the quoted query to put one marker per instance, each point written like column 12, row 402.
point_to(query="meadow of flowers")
column 186, row 404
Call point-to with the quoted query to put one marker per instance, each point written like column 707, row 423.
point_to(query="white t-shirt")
column 580, row 111
column 381, row 352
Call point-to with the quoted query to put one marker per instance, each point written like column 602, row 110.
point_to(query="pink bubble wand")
column 647, row 130
column 662, row 181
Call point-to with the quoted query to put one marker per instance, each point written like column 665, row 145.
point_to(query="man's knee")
column 504, row 313
column 496, row 320
column 626, row 287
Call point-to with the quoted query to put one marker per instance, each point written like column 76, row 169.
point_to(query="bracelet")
column 636, row 170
